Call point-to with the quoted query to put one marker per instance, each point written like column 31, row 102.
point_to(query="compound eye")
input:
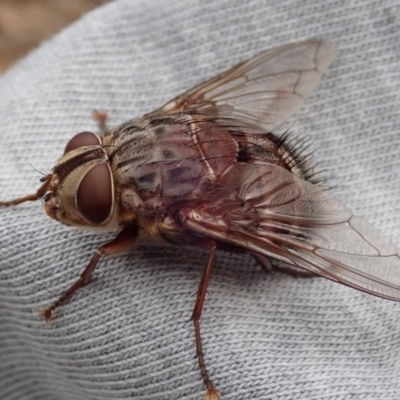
column 94, row 197
column 80, row 140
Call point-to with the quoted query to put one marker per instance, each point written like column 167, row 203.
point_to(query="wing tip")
column 325, row 54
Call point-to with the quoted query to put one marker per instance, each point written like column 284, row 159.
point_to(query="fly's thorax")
column 160, row 158
column 81, row 187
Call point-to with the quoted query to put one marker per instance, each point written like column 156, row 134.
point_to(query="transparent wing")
column 263, row 91
column 266, row 210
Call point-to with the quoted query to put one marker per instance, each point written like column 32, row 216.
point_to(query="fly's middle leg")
column 212, row 393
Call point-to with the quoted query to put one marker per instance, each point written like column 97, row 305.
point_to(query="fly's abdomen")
column 158, row 159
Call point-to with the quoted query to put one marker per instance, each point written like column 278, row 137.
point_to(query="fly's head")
column 80, row 190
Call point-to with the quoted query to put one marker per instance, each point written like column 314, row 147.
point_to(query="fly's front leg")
column 31, row 197
column 212, row 393
column 121, row 244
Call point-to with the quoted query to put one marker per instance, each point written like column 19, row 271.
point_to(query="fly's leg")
column 268, row 268
column 297, row 273
column 101, row 119
column 122, row 243
column 263, row 262
column 212, row 393
column 31, row 197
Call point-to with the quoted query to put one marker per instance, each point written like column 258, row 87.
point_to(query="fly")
column 206, row 169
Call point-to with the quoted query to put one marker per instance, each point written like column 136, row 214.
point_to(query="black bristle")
column 285, row 150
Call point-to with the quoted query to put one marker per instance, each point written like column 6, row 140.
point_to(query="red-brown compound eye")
column 94, row 197
column 80, row 140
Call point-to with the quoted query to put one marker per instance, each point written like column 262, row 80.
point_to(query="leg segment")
column 212, row 393
column 122, row 243
column 297, row 273
column 285, row 269
column 31, row 197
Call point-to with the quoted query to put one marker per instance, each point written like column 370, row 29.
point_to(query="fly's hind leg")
column 122, row 243
column 212, row 393
column 264, row 263
column 295, row 272
column 268, row 267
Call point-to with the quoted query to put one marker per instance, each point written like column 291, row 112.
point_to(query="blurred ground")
column 26, row 23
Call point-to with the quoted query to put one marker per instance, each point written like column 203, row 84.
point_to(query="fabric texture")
column 127, row 334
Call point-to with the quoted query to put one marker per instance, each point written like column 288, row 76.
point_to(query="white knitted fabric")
column 128, row 335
